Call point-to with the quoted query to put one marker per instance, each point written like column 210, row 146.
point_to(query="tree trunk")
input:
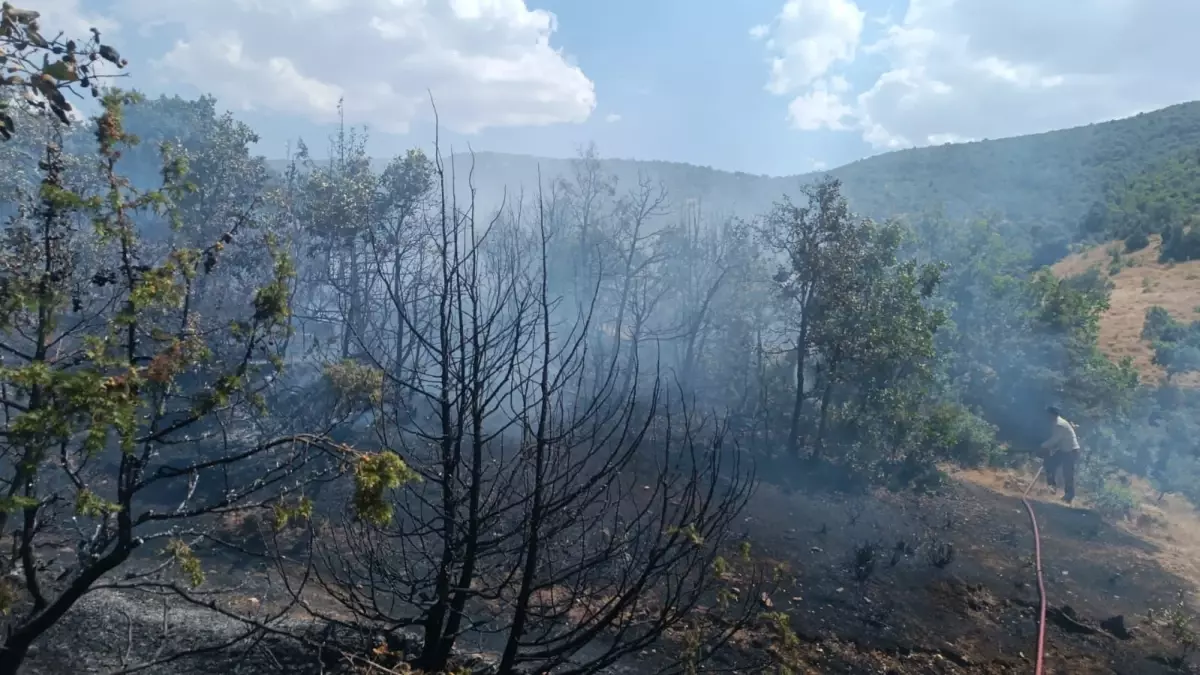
column 798, row 402
column 17, row 644
column 822, row 425
column 826, row 398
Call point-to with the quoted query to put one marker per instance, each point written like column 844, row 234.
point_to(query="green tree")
column 855, row 311
column 338, row 204
column 111, row 385
column 877, row 353
column 814, row 240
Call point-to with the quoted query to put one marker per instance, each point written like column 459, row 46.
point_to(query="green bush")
column 1137, row 241
column 1115, row 501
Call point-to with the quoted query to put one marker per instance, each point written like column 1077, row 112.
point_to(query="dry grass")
column 1141, row 283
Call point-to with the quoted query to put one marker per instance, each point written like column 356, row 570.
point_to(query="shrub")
column 1136, row 241
column 1115, row 501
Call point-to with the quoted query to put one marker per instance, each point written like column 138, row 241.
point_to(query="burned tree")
column 564, row 516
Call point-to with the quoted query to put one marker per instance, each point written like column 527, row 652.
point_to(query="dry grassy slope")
column 1141, row 283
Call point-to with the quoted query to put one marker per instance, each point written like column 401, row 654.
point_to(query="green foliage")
column 952, row 431
column 1163, row 200
column 9, row 595
column 881, row 348
column 1178, row 620
column 189, row 564
column 90, row 505
column 1137, row 241
column 1114, row 500
column 406, row 182
column 688, row 532
column 358, row 386
column 104, row 391
column 1177, row 358
column 1160, row 326
column 115, row 370
column 1035, row 189
column 374, row 475
column 720, row 567
column 785, row 644
column 1176, row 345
column 286, row 512
column 1017, row 342
column 340, row 198
column 1181, row 242
column 860, row 317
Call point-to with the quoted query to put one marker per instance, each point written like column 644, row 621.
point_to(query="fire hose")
column 1037, row 552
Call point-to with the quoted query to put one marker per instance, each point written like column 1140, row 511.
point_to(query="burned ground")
column 976, row 614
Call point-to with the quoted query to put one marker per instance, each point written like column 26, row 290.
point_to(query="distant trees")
column 1017, row 341
column 1176, row 345
column 1159, row 200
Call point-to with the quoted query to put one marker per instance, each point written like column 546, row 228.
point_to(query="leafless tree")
column 568, row 519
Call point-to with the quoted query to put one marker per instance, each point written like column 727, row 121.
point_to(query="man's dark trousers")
column 1066, row 462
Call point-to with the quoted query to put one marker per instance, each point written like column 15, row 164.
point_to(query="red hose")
column 1037, row 551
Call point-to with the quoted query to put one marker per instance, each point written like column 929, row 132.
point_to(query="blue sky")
column 763, row 86
column 694, row 93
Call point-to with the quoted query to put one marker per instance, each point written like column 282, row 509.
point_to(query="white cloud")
column 612, row 117
column 820, row 108
column 955, row 70
column 487, row 63
column 67, row 16
column 807, row 38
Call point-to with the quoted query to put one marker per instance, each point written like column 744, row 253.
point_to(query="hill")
column 1140, row 281
column 1047, row 180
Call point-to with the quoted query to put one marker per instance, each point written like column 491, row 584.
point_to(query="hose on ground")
column 1037, row 552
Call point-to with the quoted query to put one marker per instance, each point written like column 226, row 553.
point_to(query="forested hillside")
column 1044, row 183
column 365, row 419
column 1047, row 179
column 1162, row 199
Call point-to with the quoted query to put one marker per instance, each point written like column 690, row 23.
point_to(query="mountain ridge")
column 1047, row 180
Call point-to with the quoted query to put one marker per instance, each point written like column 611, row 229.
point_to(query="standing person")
column 1063, row 448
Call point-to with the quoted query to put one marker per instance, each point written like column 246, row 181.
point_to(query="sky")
column 774, row 87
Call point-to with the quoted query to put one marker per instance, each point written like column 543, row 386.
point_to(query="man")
column 1062, row 453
